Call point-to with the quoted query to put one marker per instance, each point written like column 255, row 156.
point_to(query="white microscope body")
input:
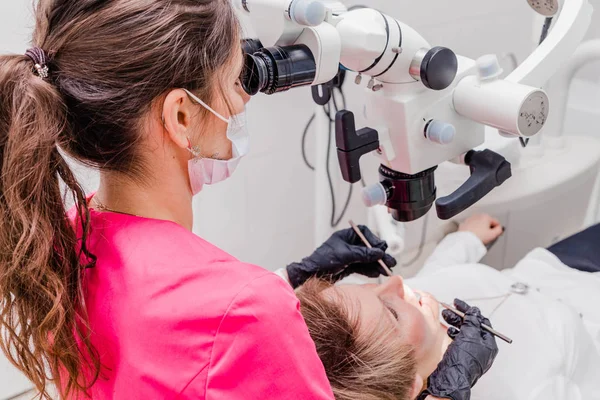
column 430, row 106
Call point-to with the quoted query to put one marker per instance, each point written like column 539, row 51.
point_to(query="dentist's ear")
column 177, row 117
column 417, row 387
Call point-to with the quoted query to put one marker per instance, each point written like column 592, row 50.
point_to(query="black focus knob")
column 409, row 197
column 438, row 68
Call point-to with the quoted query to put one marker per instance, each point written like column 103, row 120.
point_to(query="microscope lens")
column 277, row 69
column 255, row 75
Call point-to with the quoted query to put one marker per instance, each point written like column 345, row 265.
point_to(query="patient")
column 382, row 342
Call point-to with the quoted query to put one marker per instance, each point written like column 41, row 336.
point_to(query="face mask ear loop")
column 203, row 104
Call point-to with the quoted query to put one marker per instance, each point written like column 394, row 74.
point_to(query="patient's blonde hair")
column 362, row 363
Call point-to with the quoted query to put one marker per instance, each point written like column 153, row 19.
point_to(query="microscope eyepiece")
column 256, row 74
column 251, row 46
column 277, row 69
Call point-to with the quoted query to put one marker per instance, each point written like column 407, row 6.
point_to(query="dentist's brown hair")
column 109, row 63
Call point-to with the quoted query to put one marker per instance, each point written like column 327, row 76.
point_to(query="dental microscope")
column 430, row 104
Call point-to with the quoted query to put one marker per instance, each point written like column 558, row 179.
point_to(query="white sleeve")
column 455, row 249
column 282, row 273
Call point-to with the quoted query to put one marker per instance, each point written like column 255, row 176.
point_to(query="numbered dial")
column 534, row 113
column 547, row 8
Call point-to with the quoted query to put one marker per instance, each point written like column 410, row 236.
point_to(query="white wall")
column 582, row 118
column 590, row 72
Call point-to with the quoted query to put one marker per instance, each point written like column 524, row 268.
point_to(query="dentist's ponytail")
column 42, row 310
column 98, row 72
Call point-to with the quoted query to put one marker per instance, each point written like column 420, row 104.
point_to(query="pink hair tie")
column 40, row 61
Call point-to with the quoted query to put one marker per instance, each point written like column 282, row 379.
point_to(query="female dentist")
column 117, row 298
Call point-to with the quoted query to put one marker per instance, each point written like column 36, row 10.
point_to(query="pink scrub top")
column 174, row 317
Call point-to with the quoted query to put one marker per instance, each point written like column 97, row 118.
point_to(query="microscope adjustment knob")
column 438, row 67
column 374, row 195
column 308, row 12
column 547, row 8
column 488, row 67
column 440, row 132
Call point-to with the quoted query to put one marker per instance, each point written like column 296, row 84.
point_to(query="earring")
column 195, row 150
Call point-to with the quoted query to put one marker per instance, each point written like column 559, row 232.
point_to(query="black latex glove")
column 469, row 357
column 341, row 255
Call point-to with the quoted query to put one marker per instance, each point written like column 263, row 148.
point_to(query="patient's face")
column 417, row 322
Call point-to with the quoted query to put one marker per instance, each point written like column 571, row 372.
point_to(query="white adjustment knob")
column 440, row 132
column 308, row 12
column 374, row 195
column 488, row 67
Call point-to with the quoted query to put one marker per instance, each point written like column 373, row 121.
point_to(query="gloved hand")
column 341, row 255
column 469, row 357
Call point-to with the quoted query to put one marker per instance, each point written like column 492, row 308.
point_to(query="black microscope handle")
column 488, row 170
column 352, row 144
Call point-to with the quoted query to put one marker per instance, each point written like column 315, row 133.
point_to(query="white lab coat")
column 555, row 326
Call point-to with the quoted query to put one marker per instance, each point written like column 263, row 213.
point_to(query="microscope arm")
column 547, row 59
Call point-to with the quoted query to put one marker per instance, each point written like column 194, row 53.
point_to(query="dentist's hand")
column 341, row 255
column 485, row 227
column 469, row 357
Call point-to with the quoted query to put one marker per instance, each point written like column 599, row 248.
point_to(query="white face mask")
column 208, row 171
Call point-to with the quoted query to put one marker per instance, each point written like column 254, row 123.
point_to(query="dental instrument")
column 366, row 242
column 484, row 326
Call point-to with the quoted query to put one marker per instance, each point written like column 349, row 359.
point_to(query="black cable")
column 335, row 105
column 306, row 129
column 524, row 142
column 327, row 111
column 334, row 222
column 329, row 179
column 546, row 29
column 343, row 96
column 350, row 190
column 332, row 105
